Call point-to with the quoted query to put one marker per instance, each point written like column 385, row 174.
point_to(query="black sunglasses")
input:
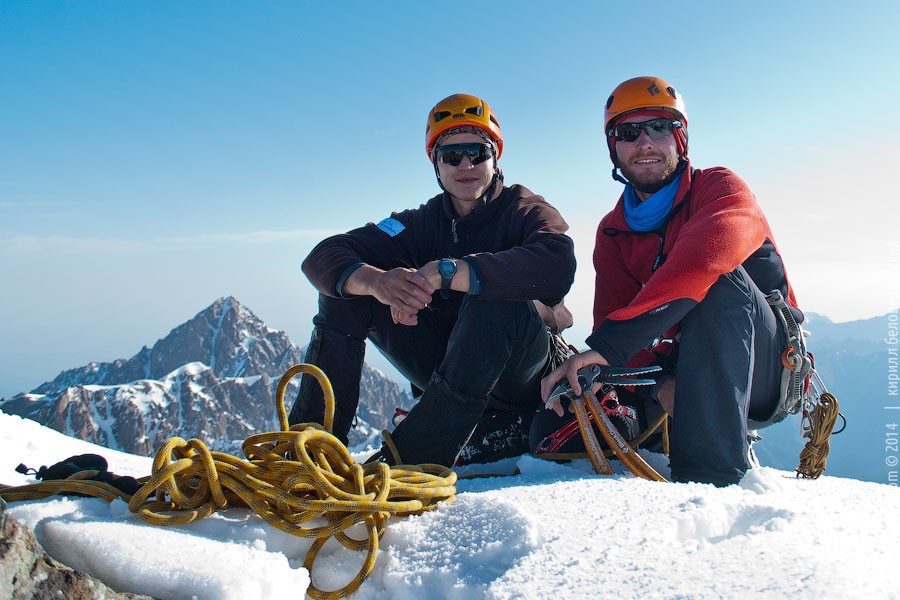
column 452, row 154
column 655, row 129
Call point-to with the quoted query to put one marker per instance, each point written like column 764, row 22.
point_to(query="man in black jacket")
column 459, row 294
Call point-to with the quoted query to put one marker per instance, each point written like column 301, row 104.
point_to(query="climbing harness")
column 802, row 390
column 589, row 411
column 294, row 479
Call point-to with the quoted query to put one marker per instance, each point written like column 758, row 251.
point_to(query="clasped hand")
column 406, row 291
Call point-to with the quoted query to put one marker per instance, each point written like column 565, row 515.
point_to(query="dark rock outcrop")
column 27, row 572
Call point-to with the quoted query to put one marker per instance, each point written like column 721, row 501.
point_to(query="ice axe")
column 587, row 404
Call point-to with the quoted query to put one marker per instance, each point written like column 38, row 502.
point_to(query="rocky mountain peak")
column 213, row 377
column 226, row 336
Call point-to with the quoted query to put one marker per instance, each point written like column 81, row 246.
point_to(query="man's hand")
column 403, row 290
column 402, row 318
column 569, row 371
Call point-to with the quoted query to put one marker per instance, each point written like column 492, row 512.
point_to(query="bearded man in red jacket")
column 685, row 256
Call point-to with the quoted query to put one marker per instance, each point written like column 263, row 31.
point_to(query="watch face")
column 447, row 268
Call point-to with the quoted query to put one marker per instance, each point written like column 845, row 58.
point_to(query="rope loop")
column 822, row 420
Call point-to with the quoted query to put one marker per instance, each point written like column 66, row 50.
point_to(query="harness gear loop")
column 301, row 480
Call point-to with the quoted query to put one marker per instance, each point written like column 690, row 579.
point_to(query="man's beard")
column 654, row 183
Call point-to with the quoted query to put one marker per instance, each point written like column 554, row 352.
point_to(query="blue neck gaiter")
column 650, row 214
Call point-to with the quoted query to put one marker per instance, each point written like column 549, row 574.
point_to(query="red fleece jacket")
column 715, row 226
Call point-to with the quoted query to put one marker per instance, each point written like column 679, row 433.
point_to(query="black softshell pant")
column 481, row 373
column 728, row 367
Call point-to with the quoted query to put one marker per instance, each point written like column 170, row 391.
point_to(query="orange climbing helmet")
column 461, row 110
column 653, row 96
column 643, row 93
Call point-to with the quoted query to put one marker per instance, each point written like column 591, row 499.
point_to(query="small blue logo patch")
column 391, row 226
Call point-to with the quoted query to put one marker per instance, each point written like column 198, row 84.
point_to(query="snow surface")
column 555, row 531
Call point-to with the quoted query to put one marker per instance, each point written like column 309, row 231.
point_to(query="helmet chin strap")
column 437, row 174
column 617, row 177
column 492, row 186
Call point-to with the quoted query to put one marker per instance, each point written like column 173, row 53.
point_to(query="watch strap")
column 445, row 265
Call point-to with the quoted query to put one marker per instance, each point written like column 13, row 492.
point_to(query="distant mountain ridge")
column 862, row 336
column 212, row 378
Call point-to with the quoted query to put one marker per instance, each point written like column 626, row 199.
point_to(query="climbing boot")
column 438, row 426
column 500, row 433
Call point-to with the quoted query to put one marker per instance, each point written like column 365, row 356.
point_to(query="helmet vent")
column 672, row 91
column 475, row 110
column 441, row 115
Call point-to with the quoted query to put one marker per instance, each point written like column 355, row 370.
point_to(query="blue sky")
column 156, row 156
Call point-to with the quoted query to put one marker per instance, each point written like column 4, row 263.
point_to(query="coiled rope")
column 814, row 455
column 301, row 480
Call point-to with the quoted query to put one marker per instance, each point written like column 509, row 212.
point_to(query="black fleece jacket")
column 516, row 245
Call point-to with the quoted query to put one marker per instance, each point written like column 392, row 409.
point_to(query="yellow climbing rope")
column 77, row 484
column 301, row 480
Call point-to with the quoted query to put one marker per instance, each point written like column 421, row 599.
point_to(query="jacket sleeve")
column 724, row 228
column 388, row 244
column 614, row 286
column 539, row 263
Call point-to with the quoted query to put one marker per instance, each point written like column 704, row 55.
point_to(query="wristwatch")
column 447, row 269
